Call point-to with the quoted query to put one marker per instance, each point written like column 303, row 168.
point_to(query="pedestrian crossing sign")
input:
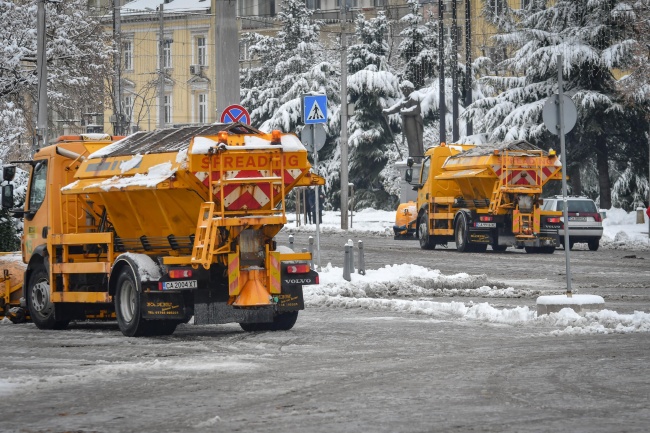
column 314, row 109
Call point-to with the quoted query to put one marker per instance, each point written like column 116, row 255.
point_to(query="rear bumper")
column 582, row 234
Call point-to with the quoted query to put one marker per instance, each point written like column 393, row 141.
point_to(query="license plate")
column 490, row 225
column 178, row 285
column 577, row 218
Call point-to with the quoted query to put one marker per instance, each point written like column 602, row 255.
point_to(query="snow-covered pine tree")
column 595, row 40
column 371, row 87
column 78, row 55
column 419, row 46
column 287, row 66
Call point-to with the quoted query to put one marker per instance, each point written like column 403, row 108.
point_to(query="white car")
column 585, row 222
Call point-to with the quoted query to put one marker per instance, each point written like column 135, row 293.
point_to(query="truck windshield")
column 38, row 186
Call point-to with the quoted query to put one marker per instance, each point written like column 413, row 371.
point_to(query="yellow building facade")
column 188, row 65
column 188, row 41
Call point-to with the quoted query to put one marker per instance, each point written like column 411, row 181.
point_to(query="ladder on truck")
column 222, row 221
column 521, row 173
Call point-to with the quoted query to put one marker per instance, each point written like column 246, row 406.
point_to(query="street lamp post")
column 41, row 66
column 161, row 67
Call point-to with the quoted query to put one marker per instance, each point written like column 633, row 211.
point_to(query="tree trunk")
column 573, row 171
column 602, row 165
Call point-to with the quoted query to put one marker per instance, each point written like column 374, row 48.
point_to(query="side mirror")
column 409, row 162
column 7, row 196
column 8, row 172
column 408, row 176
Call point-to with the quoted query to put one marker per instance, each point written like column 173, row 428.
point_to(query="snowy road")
column 403, row 349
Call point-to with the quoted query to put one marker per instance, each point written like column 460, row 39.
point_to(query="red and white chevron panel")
column 249, row 196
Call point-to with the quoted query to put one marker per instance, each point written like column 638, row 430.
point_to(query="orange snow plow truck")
column 486, row 195
column 163, row 226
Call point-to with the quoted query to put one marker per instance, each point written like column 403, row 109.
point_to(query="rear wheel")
column 41, row 307
column 127, row 305
column 547, row 250
column 593, row 244
column 460, row 234
column 426, row 242
column 281, row 322
column 532, row 250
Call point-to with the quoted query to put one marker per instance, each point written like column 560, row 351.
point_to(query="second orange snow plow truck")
column 486, row 195
column 163, row 226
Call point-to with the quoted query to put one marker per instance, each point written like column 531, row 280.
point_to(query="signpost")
column 314, row 113
column 313, row 137
column 560, row 114
column 235, row 113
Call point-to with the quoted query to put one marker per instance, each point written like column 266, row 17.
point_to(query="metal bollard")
column 352, row 270
column 346, row 264
column 362, row 260
column 291, row 241
column 311, row 251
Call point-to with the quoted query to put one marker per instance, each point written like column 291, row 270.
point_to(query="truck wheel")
column 127, row 305
column 460, row 234
column 593, row 245
column 499, row 248
column 281, row 322
column 547, row 250
column 41, row 308
column 426, row 243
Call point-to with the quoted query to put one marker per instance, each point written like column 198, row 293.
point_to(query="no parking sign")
column 235, row 113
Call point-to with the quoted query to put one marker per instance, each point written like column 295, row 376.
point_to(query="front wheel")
column 461, row 234
column 281, row 322
column 41, row 307
column 426, row 242
column 127, row 305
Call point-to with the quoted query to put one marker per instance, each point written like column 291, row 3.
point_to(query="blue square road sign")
column 314, row 109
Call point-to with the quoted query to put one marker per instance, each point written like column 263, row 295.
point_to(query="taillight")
column 598, row 218
column 553, row 220
column 302, row 268
column 180, row 273
column 485, row 218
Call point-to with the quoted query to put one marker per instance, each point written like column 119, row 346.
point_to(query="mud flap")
column 163, row 306
column 290, row 299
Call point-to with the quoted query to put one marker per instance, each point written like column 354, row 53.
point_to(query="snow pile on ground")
column 385, row 289
column 620, row 231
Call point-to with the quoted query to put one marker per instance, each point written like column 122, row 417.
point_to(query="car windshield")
column 581, row 206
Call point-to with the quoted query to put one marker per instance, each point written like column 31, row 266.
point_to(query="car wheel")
column 594, row 244
column 426, row 242
column 41, row 307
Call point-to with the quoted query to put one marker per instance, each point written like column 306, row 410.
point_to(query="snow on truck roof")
column 178, row 140
column 489, row 148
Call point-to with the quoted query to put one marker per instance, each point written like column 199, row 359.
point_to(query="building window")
column 167, row 53
column 168, row 109
column 496, row 7
column 201, row 51
column 348, row 3
column 127, row 50
column 128, row 108
column 313, row 4
column 203, row 107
